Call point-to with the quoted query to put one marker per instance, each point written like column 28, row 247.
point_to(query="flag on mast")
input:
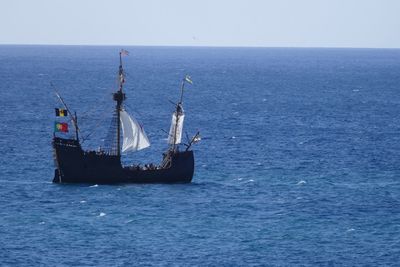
column 188, row 79
column 124, row 52
column 61, row 127
column 61, row 112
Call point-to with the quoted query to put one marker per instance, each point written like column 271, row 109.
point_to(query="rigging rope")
column 102, row 118
column 94, row 128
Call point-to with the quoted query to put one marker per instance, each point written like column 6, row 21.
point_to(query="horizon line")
column 200, row 46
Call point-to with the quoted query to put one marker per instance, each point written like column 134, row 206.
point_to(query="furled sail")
column 175, row 131
column 134, row 137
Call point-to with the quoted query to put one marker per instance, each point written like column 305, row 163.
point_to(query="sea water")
column 298, row 162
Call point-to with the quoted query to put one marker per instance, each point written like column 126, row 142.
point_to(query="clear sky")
column 288, row 23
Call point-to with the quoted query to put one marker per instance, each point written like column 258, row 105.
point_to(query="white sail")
column 175, row 132
column 134, row 137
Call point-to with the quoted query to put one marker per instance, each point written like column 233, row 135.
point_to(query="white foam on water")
column 350, row 230
column 42, row 223
column 102, row 214
column 356, row 90
column 236, row 112
column 246, row 181
column 264, row 99
column 82, row 201
column 233, row 137
column 301, row 182
column 96, row 185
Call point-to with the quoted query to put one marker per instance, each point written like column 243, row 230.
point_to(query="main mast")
column 119, row 97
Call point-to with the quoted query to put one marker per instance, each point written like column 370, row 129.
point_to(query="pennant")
column 196, row 138
column 188, row 79
column 61, row 127
column 124, row 52
column 61, row 112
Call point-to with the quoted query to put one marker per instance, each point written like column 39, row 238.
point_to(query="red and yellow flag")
column 61, row 127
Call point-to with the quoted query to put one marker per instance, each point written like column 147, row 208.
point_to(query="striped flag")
column 61, row 112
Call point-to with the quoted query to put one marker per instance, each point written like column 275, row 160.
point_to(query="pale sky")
column 278, row 23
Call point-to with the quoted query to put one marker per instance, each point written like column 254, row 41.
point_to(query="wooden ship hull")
column 75, row 165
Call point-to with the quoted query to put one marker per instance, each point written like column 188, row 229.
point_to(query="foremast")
column 119, row 97
column 74, row 117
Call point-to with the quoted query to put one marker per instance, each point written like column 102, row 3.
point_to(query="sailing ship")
column 73, row 164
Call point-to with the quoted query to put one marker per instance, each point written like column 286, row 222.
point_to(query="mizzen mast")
column 119, row 97
column 175, row 133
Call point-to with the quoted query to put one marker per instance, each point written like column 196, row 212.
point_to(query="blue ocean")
column 299, row 162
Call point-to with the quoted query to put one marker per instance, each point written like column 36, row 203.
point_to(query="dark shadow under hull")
column 74, row 165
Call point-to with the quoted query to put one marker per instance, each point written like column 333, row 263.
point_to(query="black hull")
column 73, row 165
